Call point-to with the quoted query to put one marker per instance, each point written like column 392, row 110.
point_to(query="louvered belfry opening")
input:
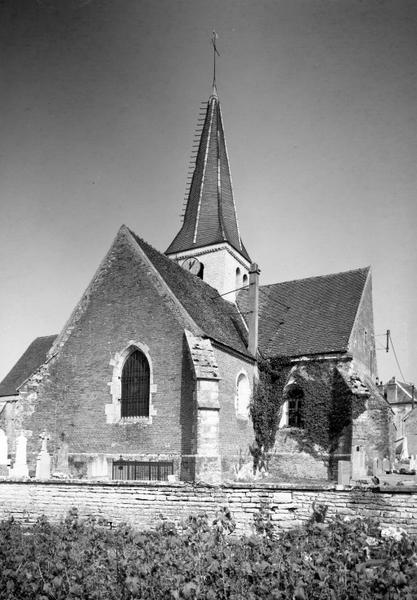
column 135, row 386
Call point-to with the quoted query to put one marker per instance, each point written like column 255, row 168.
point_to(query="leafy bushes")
column 84, row 559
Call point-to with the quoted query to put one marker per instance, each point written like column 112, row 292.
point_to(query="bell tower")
column 209, row 243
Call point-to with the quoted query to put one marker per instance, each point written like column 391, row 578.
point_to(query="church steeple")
column 210, row 215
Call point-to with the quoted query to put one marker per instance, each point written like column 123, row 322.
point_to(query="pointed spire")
column 214, row 93
column 210, row 214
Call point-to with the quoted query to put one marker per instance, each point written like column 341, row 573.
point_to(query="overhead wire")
column 396, row 358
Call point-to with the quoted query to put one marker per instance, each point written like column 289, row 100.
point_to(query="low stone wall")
column 144, row 504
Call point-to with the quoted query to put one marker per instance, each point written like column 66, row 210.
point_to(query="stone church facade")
column 151, row 377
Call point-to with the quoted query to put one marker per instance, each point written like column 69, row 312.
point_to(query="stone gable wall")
column 362, row 340
column 142, row 505
column 70, row 396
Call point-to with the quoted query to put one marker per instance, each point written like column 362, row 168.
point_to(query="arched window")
column 135, row 386
column 237, row 281
column 201, row 271
column 242, row 396
column 245, row 280
column 295, row 400
column 292, row 408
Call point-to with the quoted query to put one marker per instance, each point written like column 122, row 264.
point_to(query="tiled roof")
column 34, row 356
column 219, row 319
column 405, row 392
column 210, row 215
column 308, row 316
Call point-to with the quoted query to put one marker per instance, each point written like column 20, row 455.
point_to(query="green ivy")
column 264, row 408
column 336, row 559
column 327, row 410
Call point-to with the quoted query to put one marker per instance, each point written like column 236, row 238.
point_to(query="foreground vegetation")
column 86, row 560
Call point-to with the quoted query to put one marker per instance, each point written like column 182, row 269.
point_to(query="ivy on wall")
column 265, row 408
column 327, row 409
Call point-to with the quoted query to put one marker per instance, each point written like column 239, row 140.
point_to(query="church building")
column 152, row 375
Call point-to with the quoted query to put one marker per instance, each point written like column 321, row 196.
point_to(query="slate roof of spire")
column 31, row 360
column 308, row 316
column 210, row 215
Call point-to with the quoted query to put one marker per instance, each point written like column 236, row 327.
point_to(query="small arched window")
column 201, row 271
column 245, row 280
column 242, row 396
column 135, row 386
column 295, row 411
column 237, row 281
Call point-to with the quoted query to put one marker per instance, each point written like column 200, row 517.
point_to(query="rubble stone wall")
column 143, row 505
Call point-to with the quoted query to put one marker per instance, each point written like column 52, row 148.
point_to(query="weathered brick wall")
column 71, row 398
column 362, row 340
column 142, row 505
column 313, row 451
column 126, row 302
column 235, row 433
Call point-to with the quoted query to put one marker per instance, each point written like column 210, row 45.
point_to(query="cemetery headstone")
column 343, row 472
column 20, row 467
column 4, row 469
column 359, row 470
column 43, row 462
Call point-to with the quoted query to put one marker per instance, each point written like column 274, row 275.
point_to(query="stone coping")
column 279, row 486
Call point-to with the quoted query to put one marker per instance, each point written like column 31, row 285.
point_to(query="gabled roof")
column 218, row 319
column 308, row 316
column 406, row 392
column 210, row 215
column 31, row 360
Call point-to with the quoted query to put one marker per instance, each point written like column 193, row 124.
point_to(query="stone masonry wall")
column 236, row 433
column 71, row 398
column 362, row 340
column 142, row 505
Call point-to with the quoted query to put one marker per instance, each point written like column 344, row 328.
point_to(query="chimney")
column 254, row 272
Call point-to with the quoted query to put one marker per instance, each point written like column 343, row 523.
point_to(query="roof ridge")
column 222, row 311
column 192, row 278
column 328, row 275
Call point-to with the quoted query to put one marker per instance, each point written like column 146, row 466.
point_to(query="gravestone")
column 343, row 472
column 43, row 462
column 359, row 470
column 20, row 467
column 62, row 457
column 98, row 468
column 386, row 465
column 376, row 467
column 4, row 470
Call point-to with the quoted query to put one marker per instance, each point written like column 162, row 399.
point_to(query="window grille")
column 135, row 386
column 295, row 413
column 142, row 471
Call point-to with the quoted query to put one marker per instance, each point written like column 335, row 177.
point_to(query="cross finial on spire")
column 215, row 51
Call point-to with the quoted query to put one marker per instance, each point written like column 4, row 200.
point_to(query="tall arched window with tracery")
column 135, row 386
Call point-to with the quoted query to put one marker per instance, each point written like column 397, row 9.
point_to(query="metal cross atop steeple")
column 215, row 51
column 210, row 213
